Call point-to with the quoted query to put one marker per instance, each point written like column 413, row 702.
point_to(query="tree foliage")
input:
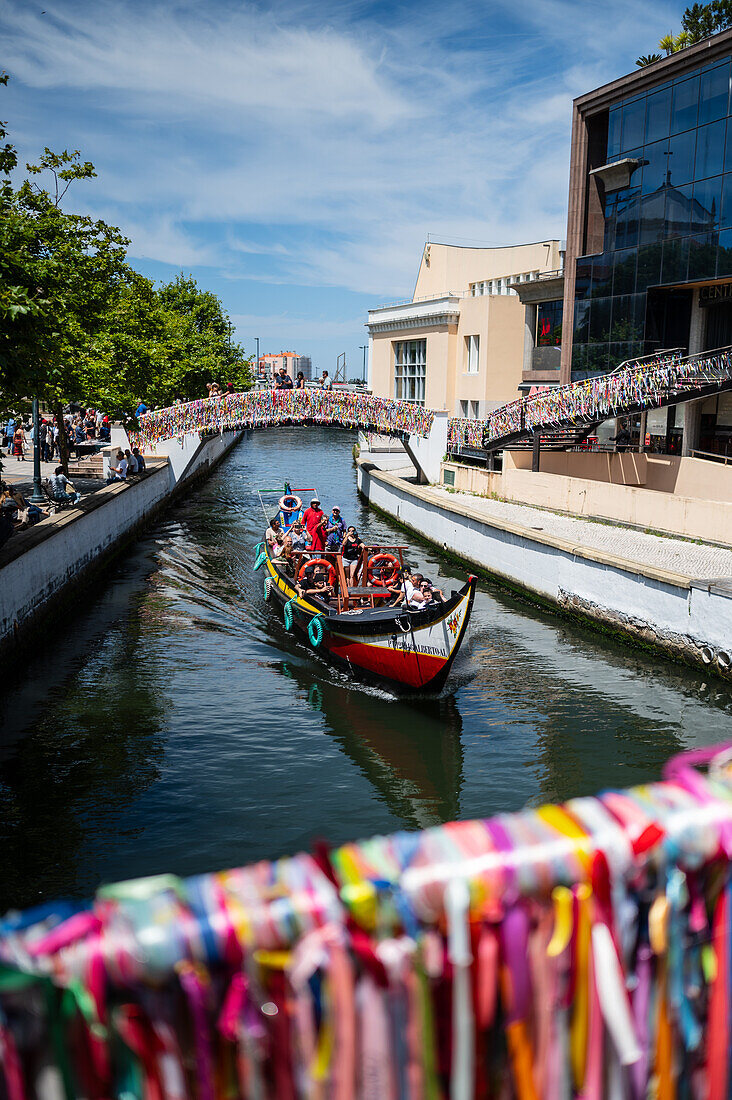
column 77, row 323
column 698, row 22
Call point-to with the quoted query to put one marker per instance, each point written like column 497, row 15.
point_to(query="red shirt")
column 311, row 517
column 318, row 537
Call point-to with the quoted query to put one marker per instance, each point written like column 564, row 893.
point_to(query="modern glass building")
column 649, row 241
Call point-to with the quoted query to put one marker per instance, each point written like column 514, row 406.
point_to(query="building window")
column 474, row 409
column 464, row 409
column 549, row 324
column 410, row 369
column 472, row 348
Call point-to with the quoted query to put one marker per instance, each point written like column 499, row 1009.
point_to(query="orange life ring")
column 313, row 563
column 295, row 503
column 386, row 581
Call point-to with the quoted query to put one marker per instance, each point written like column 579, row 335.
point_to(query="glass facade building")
column 667, row 212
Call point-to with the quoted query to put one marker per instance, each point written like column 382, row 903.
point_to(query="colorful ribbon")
column 571, row 951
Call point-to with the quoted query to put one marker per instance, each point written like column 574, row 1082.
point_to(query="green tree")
column 77, row 323
column 58, row 272
column 699, row 21
column 207, row 353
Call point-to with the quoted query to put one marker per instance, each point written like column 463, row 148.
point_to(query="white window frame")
column 472, row 354
column 410, row 370
column 475, row 410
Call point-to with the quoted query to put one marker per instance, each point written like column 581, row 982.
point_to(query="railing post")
column 536, row 453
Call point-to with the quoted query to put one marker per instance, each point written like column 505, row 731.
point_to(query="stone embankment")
column 666, row 593
column 42, row 568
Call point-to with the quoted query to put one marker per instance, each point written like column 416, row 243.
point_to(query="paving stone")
column 675, row 555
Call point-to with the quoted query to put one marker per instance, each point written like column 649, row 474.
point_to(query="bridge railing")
column 548, row 952
column 267, row 407
column 641, row 383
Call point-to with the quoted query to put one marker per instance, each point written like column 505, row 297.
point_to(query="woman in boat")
column 351, row 548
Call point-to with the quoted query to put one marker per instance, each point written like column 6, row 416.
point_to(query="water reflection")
column 94, row 748
column 409, row 751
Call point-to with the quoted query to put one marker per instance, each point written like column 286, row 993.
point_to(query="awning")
column 530, row 388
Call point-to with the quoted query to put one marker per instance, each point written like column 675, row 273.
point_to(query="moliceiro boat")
column 357, row 620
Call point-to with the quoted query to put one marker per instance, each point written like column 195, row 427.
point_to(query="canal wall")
column 41, row 569
column 687, row 619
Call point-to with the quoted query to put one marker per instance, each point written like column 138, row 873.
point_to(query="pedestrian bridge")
column 564, row 416
column 423, row 432
column 557, row 417
column 265, row 408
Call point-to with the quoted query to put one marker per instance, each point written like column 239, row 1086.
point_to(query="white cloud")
column 317, row 145
column 195, row 61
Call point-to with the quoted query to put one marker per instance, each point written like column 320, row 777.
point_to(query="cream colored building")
column 459, row 344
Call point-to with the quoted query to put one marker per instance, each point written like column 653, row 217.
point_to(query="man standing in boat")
column 312, row 516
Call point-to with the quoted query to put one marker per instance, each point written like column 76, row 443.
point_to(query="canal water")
column 171, row 724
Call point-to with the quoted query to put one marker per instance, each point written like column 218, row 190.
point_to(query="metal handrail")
column 711, row 455
column 422, row 298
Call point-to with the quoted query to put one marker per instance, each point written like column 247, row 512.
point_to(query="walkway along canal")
column 170, row 723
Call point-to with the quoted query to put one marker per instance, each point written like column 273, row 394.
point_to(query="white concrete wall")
column 654, row 607
column 36, row 578
column 427, row 454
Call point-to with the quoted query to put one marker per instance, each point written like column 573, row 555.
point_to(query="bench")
column 59, row 502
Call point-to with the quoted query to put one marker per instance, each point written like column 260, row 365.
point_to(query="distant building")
column 304, row 364
column 460, row 343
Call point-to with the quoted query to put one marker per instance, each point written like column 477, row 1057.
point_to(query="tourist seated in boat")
column 299, row 536
column 351, row 549
column 434, row 595
column 315, row 583
column 410, row 592
column 283, row 555
column 270, row 535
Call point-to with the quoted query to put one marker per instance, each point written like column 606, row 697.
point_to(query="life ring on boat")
column 290, row 503
column 313, row 563
column 382, row 560
column 260, row 560
column 315, row 631
column 287, row 613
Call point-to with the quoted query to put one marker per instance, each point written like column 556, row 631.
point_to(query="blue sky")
column 294, row 157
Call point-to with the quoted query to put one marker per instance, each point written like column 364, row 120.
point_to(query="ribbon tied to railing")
column 580, row 950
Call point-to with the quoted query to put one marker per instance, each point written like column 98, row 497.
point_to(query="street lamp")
column 364, row 348
column 256, row 369
column 37, row 497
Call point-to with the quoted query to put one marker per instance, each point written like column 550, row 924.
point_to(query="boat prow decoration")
column 359, row 629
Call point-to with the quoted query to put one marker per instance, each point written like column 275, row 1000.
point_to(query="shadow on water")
column 174, row 725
